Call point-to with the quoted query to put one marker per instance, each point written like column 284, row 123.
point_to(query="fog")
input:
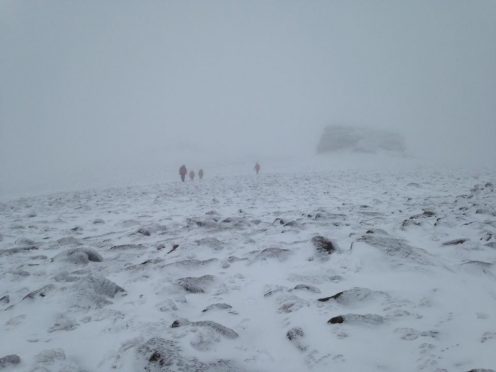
column 122, row 92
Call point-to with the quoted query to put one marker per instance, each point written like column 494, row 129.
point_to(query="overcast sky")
column 97, row 92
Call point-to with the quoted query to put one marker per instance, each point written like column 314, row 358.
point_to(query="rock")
column 50, row 356
column 214, row 243
column 65, row 277
column 217, row 306
column 9, row 360
column 280, row 254
column 24, row 242
column 63, row 323
column 151, row 229
column 68, row 240
column 455, row 242
column 191, row 263
column 481, row 370
column 295, row 335
column 323, row 245
column 196, row 284
column 306, row 287
column 353, row 295
column 336, row 320
column 397, row 248
column 98, row 221
column 11, row 251
column 360, row 140
column 372, row 319
column 144, row 231
column 218, row 328
column 79, row 256
column 42, row 292
column 5, row 300
column 487, row 336
column 122, row 247
column 161, row 355
column 205, row 223
column 479, row 267
column 96, row 291
column 277, row 289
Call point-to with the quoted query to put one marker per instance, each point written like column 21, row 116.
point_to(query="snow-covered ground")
column 326, row 271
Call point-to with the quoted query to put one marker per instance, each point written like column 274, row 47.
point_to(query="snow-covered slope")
column 329, row 271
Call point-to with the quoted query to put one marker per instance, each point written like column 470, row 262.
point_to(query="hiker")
column 200, row 174
column 182, row 172
column 192, row 175
column 257, row 168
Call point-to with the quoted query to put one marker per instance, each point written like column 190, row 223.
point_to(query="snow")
column 226, row 274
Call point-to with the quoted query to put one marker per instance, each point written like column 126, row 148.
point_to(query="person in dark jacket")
column 192, row 175
column 200, row 174
column 257, row 168
column 182, row 172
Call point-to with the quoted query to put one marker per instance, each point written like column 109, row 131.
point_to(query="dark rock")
column 323, row 245
column 333, row 297
column 353, row 295
column 455, row 242
column 5, row 299
column 481, row 370
column 9, row 360
column 98, row 221
column 336, row 320
column 196, row 284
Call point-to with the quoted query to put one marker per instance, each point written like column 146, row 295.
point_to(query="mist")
column 123, row 92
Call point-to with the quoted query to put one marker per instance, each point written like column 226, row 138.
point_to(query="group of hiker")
column 183, row 171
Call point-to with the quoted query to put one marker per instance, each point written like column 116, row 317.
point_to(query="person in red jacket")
column 182, row 172
column 257, row 168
